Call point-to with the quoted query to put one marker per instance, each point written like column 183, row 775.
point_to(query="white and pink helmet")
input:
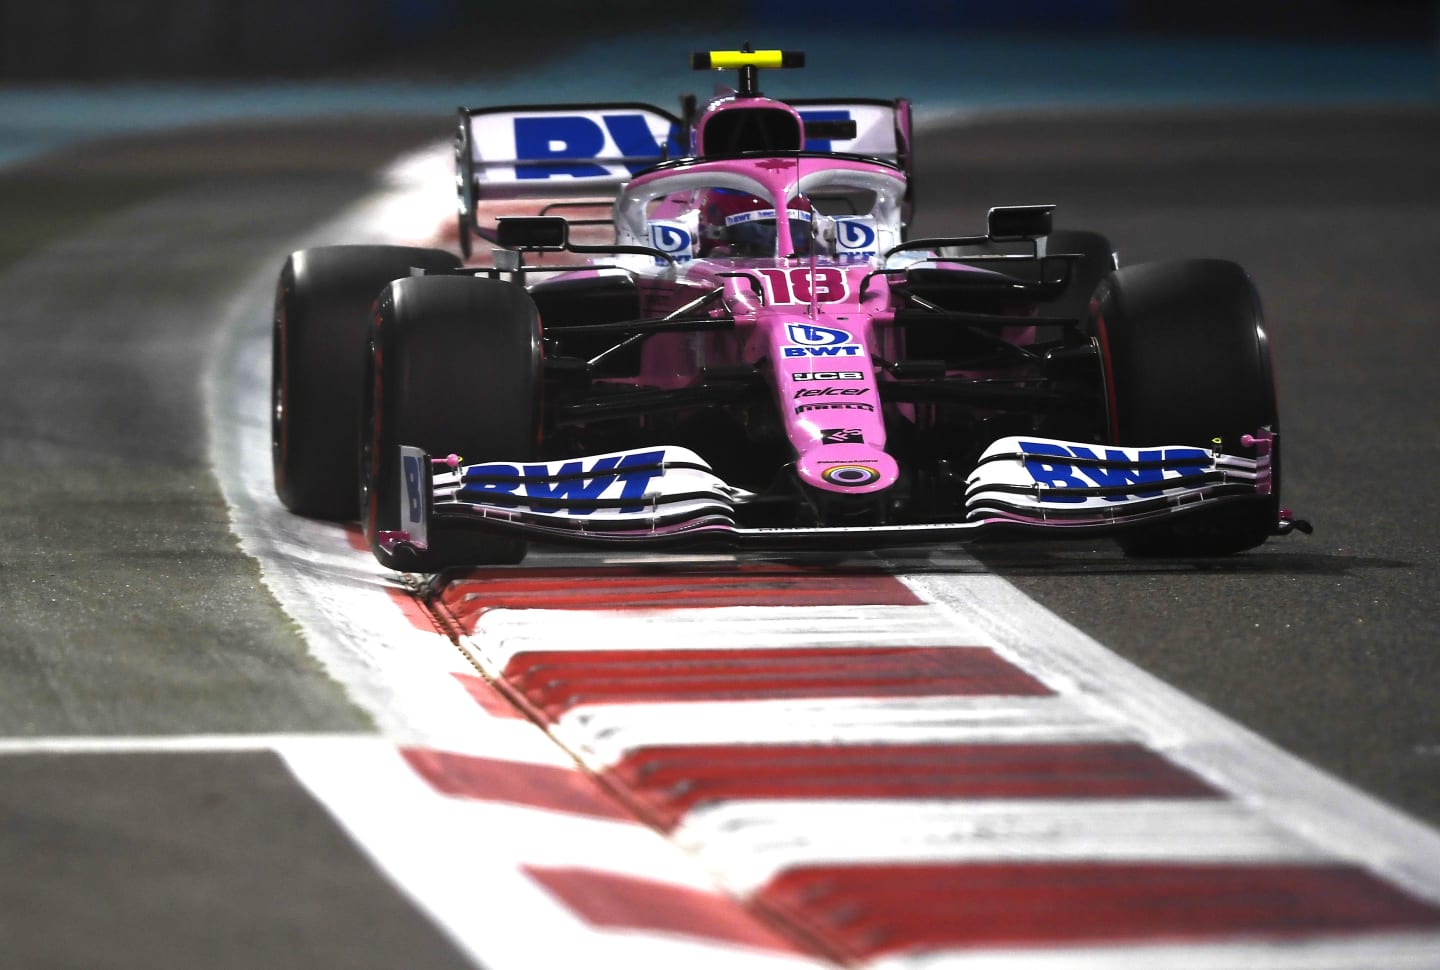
column 733, row 223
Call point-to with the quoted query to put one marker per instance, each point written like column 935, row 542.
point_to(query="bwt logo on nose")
column 819, row 342
column 809, row 335
column 1062, row 472
column 576, row 144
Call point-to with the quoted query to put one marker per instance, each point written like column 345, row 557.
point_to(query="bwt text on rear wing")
column 590, row 149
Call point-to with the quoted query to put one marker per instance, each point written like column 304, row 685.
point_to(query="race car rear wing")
column 550, row 150
column 553, row 152
column 590, row 150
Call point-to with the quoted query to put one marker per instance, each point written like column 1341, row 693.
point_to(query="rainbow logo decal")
column 850, row 476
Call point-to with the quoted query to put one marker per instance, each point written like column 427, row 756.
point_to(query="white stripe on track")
column 504, row 633
column 1378, row 951
column 604, row 733
column 749, row 842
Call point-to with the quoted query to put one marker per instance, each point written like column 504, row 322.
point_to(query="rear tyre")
column 1085, row 275
column 453, row 367
column 322, row 318
column 1187, row 362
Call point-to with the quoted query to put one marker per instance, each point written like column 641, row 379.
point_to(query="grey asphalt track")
column 129, row 608
column 170, row 860
column 1327, row 644
column 110, row 507
column 109, row 515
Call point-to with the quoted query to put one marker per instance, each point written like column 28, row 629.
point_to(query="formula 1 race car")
column 756, row 354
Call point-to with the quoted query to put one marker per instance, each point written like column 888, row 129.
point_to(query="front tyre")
column 453, row 367
column 1187, row 362
column 321, row 322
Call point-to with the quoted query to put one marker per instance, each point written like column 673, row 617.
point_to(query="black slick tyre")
column 1085, row 274
column 1187, row 362
column 453, row 367
column 321, row 321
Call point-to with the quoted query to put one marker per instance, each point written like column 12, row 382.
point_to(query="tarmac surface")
column 130, row 610
column 1328, row 644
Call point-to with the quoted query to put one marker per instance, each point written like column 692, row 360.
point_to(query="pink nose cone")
column 848, row 469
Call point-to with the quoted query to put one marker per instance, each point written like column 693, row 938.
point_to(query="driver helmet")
column 734, row 223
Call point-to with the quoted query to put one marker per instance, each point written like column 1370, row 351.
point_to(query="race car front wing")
column 669, row 496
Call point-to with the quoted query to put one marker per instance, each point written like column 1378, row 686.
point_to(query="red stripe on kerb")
column 414, row 612
column 547, row 787
column 869, row 910
column 557, row 680
column 488, row 696
column 615, row 901
column 673, row 780
column 472, row 593
column 355, row 537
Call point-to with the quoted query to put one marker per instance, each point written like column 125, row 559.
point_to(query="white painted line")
column 508, row 740
column 176, row 744
column 748, row 843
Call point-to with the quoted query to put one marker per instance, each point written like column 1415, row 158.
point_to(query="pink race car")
column 754, row 353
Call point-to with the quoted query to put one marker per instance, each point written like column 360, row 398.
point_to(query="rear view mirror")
column 533, row 233
column 838, row 129
column 1019, row 221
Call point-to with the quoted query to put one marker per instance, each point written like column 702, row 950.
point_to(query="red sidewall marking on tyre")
column 355, row 536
